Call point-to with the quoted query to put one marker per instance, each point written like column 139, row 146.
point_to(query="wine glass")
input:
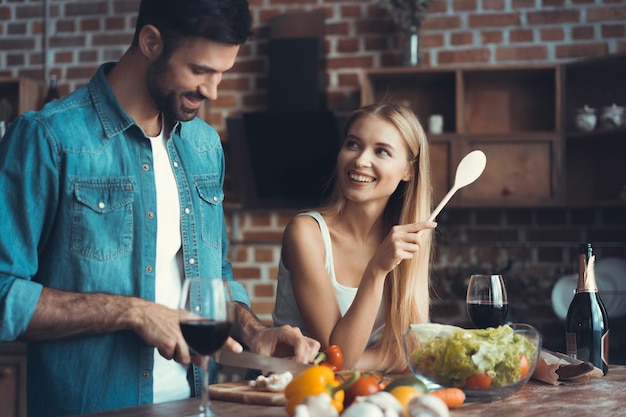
column 487, row 304
column 206, row 318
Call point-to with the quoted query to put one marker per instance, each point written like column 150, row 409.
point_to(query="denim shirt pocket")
column 102, row 218
column 211, row 213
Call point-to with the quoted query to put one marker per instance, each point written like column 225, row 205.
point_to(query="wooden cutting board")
column 241, row 392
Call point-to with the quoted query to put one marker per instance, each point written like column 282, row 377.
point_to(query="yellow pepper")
column 316, row 380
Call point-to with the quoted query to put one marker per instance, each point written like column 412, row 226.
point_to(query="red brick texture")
column 82, row 33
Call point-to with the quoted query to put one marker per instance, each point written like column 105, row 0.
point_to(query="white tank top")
column 169, row 377
column 286, row 309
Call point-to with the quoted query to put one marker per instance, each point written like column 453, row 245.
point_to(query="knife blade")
column 251, row 360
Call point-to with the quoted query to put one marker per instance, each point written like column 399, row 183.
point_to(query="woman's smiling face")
column 373, row 160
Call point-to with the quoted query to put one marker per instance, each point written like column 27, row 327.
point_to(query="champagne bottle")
column 587, row 324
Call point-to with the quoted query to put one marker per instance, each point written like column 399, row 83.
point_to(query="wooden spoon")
column 469, row 169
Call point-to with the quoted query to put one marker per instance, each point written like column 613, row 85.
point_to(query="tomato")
column 364, row 386
column 524, row 366
column 331, row 357
column 478, row 381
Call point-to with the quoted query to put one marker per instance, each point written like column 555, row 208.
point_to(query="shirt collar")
column 113, row 117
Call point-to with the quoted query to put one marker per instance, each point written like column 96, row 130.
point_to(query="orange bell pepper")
column 318, row 379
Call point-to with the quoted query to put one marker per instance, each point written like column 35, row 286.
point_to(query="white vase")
column 411, row 48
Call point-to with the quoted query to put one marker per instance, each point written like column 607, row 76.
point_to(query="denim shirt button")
column 150, row 215
column 175, row 164
column 148, row 268
column 146, row 167
column 214, row 198
column 101, row 205
column 146, row 374
column 191, row 261
column 187, row 211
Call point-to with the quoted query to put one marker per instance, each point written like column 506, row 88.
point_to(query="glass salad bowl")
column 487, row 364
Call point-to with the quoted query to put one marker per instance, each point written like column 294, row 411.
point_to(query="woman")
column 365, row 278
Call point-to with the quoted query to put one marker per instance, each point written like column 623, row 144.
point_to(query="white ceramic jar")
column 613, row 117
column 435, row 123
column 586, row 118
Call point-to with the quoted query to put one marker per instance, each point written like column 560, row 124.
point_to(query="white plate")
column 611, row 280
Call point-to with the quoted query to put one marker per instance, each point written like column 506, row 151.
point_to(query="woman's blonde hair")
column 406, row 294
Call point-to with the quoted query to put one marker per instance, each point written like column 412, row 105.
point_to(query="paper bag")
column 556, row 368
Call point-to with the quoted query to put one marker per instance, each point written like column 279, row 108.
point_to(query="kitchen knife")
column 251, row 360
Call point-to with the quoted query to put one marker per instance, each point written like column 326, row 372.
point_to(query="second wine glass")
column 487, row 303
column 206, row 318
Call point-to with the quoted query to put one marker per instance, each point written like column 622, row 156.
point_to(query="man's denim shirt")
column 78, row 213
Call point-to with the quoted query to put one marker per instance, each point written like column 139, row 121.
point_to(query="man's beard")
column 170, row 102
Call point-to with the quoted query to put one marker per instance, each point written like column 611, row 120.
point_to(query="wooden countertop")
column 604, row 396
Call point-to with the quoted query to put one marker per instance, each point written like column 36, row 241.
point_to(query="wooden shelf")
column 509, row 100
column 511, row 113
column 597, row 135
column 522, row 118
column 425, row 91
column 18, row 95
column 594, row 171
column 13, row 379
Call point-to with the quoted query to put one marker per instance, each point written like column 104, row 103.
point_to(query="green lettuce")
column 494, row 351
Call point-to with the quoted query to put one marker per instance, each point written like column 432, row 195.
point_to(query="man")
column 109, row 197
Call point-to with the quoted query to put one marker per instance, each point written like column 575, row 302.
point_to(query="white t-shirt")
column 169, row 377
column 286, row 309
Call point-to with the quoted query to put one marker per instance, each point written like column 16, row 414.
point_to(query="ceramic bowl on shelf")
column 586, row 118
column 487, row 364
column 613, row 117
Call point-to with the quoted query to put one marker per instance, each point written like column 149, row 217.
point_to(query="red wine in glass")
column 485, row 315
column 487, row 303
column 205, row 336
column 206, row 317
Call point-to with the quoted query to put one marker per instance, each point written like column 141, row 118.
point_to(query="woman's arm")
column 303, row 255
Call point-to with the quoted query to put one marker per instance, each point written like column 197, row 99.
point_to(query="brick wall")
column 83, row 33
column 71, row 38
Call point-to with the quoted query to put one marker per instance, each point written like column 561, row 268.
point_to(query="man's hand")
column 285, row 341
column 159, row 326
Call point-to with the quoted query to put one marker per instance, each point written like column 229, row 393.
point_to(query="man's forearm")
column 247, row 324
column 61, row 314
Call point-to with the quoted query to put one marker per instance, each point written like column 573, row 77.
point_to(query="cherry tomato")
column 524, row 366
column 364, row 386
column 334, row 357
column 478, row 381
column 331, row 357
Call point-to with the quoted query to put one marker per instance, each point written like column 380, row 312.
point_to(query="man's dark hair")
column 223, row 21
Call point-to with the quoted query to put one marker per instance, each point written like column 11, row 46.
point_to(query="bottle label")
column 570, row 342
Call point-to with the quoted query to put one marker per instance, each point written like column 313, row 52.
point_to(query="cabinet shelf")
column 425, row 91
column 13, row 379
column 510, row 113
column 18, row 95
column 522, row 118
column 597, row 135
column 594, row 171
column 506, row 100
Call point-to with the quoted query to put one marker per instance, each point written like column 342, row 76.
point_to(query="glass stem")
column 205, row 406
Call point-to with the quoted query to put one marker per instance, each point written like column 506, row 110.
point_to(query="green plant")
column 407, row 14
